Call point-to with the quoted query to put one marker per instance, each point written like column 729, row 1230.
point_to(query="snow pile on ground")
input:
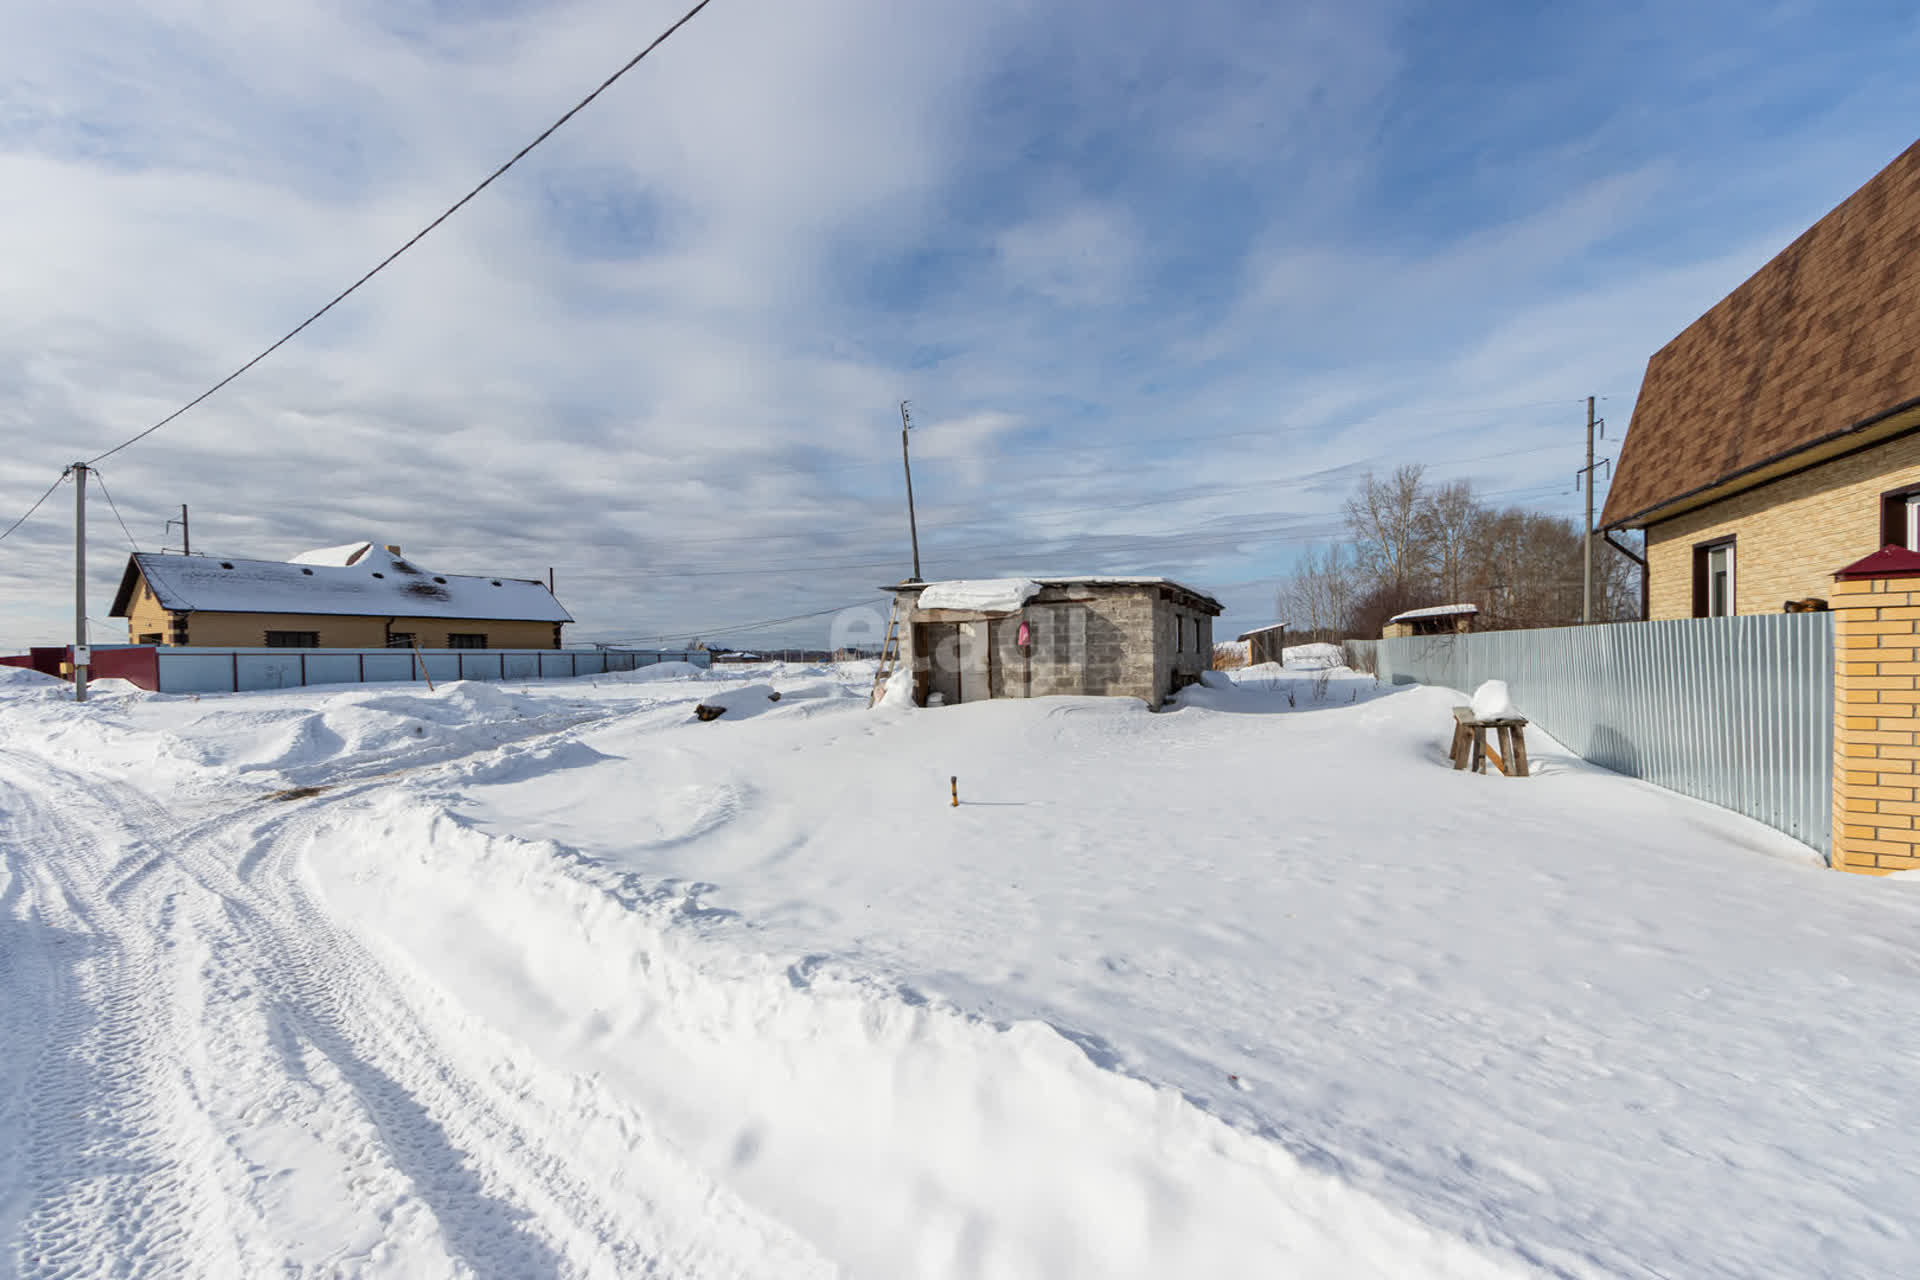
column 900, row 1137
column 1491, row 701
column 1256, row 987
column 658, row 671
column 1314, row 655
column 979, row 595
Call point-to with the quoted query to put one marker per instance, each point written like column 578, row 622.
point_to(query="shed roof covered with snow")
column 1007, row 595
column 360, row 579
column 1436, row 611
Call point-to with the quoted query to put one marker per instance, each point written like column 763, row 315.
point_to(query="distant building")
column 1264, row 644
column 358, row 596
column 970, row 640
column 1437, row 620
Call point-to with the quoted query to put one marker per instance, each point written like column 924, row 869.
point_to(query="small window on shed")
column 399, row 639
column 466, row 640
column 293, row 639
column 152, row 637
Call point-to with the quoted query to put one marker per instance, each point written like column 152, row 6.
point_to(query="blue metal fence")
column 1734, row 711
column 244, row 670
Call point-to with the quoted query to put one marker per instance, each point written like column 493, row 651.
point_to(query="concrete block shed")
column 967, row 640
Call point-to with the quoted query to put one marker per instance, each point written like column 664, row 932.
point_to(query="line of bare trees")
column 1412, row 544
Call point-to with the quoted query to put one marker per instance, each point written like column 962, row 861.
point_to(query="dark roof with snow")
column 359, row 580
column 1820, row 344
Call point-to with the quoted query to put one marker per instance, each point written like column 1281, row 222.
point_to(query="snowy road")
column 209, row 1076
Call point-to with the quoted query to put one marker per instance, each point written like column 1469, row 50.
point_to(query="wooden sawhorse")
column 1471, row 750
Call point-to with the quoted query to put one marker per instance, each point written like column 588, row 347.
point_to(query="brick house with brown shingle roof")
column 1778, row 437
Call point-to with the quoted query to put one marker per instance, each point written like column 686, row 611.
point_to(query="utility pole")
column 912, row 526
column 186, row 534
column 82, row 658
column 1586, row 534
column 1586, row 539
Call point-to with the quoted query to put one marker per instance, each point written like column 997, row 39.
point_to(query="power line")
column 36, row 504
column 702, row 632
column 1274, row 485
column 451, row 209
column 101, row 481
column 1169, row 540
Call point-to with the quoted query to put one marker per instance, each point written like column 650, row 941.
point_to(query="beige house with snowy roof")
column 359, row 596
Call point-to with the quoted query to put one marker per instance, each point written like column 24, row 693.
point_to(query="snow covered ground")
column 554, row 980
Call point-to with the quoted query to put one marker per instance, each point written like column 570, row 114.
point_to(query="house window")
column 151, row 637
column 293, row 639
column 399, row 639
column 466, row 640
column 1900, row 519
column 1179, row 634
column 1713, row 579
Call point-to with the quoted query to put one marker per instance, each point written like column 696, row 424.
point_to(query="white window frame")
column 1912, row 501
column 1725, row 549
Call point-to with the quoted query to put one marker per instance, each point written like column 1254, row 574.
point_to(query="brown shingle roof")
column 1820, row 341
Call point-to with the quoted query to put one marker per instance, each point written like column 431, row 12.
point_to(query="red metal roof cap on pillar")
column 1888, row 562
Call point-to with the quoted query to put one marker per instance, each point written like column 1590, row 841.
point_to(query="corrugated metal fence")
column 1734, row 711
column 189, row 670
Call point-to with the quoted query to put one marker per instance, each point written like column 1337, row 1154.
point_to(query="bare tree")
column 1448, row 520
column 1384, row 520
column 1319, row 595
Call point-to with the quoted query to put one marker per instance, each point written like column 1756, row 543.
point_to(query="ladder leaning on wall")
column 889, row 656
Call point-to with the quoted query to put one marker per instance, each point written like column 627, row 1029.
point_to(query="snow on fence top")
column 360, row 578
column 1435, row 611
column 980, row 595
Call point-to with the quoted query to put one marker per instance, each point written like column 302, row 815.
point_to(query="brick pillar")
column 1876, row 713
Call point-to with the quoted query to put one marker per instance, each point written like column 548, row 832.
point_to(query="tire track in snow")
column 218, row 1038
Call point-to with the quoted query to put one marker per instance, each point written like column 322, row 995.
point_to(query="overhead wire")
column 730, row 629
column 418, row 236
column 102, row 482
column 36, row 505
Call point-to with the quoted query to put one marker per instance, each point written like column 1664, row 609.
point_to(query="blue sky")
column 1160, row 281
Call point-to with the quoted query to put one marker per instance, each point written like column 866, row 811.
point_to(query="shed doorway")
column 959, row 661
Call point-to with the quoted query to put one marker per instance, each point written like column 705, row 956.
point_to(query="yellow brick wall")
column 240, row 630
column 1792, row 533
column 1876, row 725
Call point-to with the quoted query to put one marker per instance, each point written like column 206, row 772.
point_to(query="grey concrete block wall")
column 1087, row 639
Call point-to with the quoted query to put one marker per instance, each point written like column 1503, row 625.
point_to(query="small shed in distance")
column 969, row 640
column 1264, row 644
column 1435, row 620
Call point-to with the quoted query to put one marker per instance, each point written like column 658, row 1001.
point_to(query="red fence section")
column 136, row 664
